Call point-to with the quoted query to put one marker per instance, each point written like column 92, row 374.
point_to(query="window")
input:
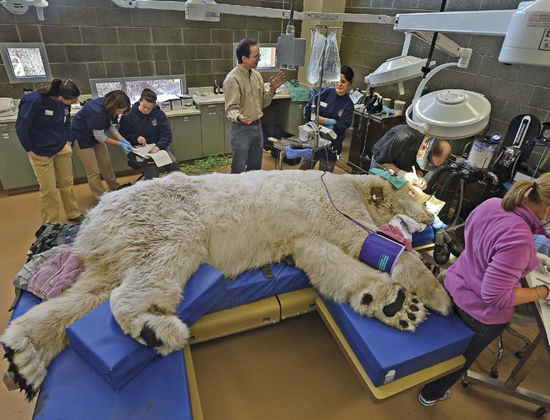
column 26, row 62
column 268, row 56
column 166, row 87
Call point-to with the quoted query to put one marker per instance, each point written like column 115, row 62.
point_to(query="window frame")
column 123, row 80
column 260, row 45
column 9, row 70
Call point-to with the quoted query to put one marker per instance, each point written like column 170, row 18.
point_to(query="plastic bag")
column 314, row 67
column 331, row 72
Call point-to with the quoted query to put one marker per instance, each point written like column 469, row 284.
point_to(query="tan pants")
column 96, row 159
column 47, row 171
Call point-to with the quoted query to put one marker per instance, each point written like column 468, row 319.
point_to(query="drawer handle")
column 211, row 106
column 186, row 119
column 212, row 113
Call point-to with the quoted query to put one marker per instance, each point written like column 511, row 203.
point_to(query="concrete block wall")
column 511, row 89
column 96, row 39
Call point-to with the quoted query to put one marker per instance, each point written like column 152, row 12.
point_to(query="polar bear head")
column 383, row 201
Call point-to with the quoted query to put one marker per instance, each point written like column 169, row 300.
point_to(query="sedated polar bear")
column 140, row 245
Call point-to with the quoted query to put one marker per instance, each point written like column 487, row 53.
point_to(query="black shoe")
column 129, row 184
column 78, row 219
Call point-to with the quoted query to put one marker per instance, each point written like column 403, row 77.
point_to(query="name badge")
column 49, row 112
column 324, row 104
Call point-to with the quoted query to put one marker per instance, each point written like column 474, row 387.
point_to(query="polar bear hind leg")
column 34, row 339
column 369, row 291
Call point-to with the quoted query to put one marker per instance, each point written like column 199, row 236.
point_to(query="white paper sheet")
column 161, row 158
column 536, row 278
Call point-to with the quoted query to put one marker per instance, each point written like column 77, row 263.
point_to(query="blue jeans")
column 484, row 334
column 247, row 145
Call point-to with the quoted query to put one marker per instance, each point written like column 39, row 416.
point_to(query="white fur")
column 142, row 244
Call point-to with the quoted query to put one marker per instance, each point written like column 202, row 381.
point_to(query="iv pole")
column 314, row 28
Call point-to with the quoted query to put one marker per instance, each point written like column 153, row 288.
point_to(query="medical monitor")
column 268, row 56
column 26, row 62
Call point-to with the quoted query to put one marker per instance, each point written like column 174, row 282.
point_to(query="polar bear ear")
column 376, row 196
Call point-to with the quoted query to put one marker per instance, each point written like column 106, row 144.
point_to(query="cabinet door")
column 119, row 159
column 227, row 136
column 295, row 117
column 15, row 168
column 213, row 130
column 187, row 139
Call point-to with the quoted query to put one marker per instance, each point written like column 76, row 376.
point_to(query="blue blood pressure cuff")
column 381, row 252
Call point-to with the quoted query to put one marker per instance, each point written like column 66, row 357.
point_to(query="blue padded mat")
column 117, row 357
column 27, row 301
column 387, row 354
column 253, row 285
column 74, row 390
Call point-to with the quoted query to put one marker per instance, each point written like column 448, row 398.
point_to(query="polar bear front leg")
column 369, row 291
column 413, row 274
column 144, row 307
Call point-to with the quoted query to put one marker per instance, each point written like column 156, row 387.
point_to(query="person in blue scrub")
column 44, row 129
column 147, row 123
column 90, row 130
column 336, row 113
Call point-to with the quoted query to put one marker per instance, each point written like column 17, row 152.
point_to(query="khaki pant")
column 96, row 159
column 47, row 171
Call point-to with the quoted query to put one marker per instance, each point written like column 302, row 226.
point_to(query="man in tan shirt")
column 245, row 98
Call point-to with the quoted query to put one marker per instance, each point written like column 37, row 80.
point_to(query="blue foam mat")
column 73, row 390
column 253, row 285
column 382, row 349
column 117, row 357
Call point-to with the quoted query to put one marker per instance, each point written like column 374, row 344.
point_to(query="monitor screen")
column 268, row 56
column 26, row 62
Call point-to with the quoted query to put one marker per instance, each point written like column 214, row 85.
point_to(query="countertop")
column 177, row 113
column 220, row 99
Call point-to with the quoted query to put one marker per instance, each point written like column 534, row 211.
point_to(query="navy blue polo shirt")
column 154, row 127
column 43, row 124
column 336, row 107
column 92, row 116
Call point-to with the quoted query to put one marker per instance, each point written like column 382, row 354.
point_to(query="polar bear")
column 140, row 245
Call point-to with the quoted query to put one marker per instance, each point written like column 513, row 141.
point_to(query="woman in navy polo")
column 147, row 123
column 44, row 129
column 335, row 112
column 97, row 119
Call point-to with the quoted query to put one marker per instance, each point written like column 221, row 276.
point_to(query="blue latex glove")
column 329, row 126
column 126, row 146
column 331, row 122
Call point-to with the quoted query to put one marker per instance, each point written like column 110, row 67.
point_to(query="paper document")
column 536, row 278
column 161, row 158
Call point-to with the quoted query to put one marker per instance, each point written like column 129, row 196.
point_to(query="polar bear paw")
column 164, row 333
column 392, row 304
column 25, row 364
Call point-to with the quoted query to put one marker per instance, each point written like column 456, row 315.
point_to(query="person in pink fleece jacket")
column 484, row 282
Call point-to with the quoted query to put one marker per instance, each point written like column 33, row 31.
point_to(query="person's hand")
column 31, row 154
column 155, row 149
column 544, row 263
column 244, row 119
column 141, row 140
column 421, row 183
column 276, row 81
column 125, row 145
column 329, row 121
